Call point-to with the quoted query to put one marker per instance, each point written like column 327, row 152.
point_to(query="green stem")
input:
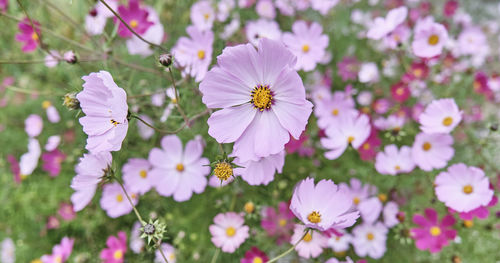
column 290, row 249
column 216, row 255
column 130, row 201
column 161, row 252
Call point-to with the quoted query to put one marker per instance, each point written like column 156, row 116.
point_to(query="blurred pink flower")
column 136, row 175
column 116, row 248
column 278, row 223
column 52, row 162
column 381, row 26
column 14, row 167
column 33, row 125
column 432, row 151
column 393, row 161
column 28, row 36
column 450, row 8
column 135, row 16
column 60, row 252
column 260, row 172
column 52, row 222
column 66, row 211
column 400, row 92
column 265, row 9
column 4, row 4
column 358, row 192
column 300, row 146
column 348, row 68
column 429, row 39
column 432, row 235
column 229, row 231
column 440, row 116
column 262, row 28
column 330, row 111
column 254, row 255
column 202, row 15
column 114, row 201
column 368, row 150
column 370, row 240
column 312, row 244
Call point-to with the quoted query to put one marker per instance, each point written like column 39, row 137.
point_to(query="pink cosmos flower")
column 393, row 161
column 308, row 43
column 262, row 28
column 154, row 34
column 52, row 162
column 136, row 175
column 14, row 167
column 348, row 68
column 168, row 251
column 400, row 92
column 370, row 209
column 29, row 160
column 312, row 244
column 229, row 231
column 357, row 191
column 340, row 242
column 115, row 252
column 323, row 6
column 265, row 9
column 432, row 235
column 52, row 113
column 399, row 36
column 463, row 188
column 368, row 73
column 135, row 16
column 440, row 116
column 89, row 172
column 349, row 130
column 450, row 8
column 278, row 223
column 331, row 111
column 481, row 212
column 95, row 21
column 28, row 35
column 145, row 131
column 481, row 85
column 194, row 54
column 471, row 40
column 33, row 125
column 370, row 240
column 254, row 255
column 106, row 110
column 202, row 15
column 114, row 201
column 261, row 96
column 383, row 26
column 432, row 151
column 52, row 143
column 52, row 222
column 176, row 171
column 429, row 38
column 60, row 252
column 390, row 214
column 368, row 150
column 348, row 260
column 4, row 4
column 322, row 206
column 300, row 146
column 260, row 172
column 66, row 211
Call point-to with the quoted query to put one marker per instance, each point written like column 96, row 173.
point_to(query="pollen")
column 143, row 174
column 476, row 85
column 262, row 97
column 350, row 139
column 119, row 198
column 134, row 23
column 356, row 200
column 305, row 48
column 257, row 260
column 335, row 112
column 34, row 36
column 179, row 167
column 308, row 237
column 468, row 223
column 382, row 197
column 282, row 222
column 366, row 146
column 230, row 231
column 314, row 217
column 114, row 122
column 370, row 236
column 417, row 72
column 46, row 104
column 206, row 16
column 435, row 231
column 201, row 54
column 118, row 254
column 468, row 189
column 433, row 40
column 223, row 171
column 448, row 121
column 400, row 91
column 397, row 167
column 426, row 146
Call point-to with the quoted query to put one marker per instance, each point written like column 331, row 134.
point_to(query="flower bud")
column 70, row 57
column 165, row 60
column 71, row 102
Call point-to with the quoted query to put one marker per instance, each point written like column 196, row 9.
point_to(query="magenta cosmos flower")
column 260, row 172
column 136, row 175
column 116, row 249
column 432, row 151
column 194, row 54
column 322, row 206
column 229, row 231
column 308, row 43
column 432, row 234
column 348, row 68
column 278, row 223
column 135, row 16
column 429, row 39
column 441, row 116
column 114, row 201
column 179, row 172
column 262, row 99
column 349, row 130
column 106, row 109
column 463, row 188
column 254, row 255
column 52, row 162
column 60, row 252
column 28, row 35
column 89, row 172
column 312, row 244
column 393, row 161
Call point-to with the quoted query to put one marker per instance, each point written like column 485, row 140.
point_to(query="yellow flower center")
column 134, row 23
column 114, row 122
column 468, row 189
column 356, row 200
column 397, row 167
column 335, row 112
column 206, row 16
column 417, row 72
column 370, row 236
column 36, row 261
column 262, row 97
column 476, row 85
column 143, row 174
column 468, row 223
column 426, row 146
column 34, row 36
column 399, row 91
column 179, row 167
column 201, row 54
column 46, row 104
column 350, row 139
column 58, row 259
column 172, row 257
column 230, row 231
column 249, row 207
column 119, row 198
column 382, row 197
column 314, row 217
column 223, row 171
column 433, row 40
column 435, row 231
column 118, row 254
column 282, row 222
column 447, row 121
column 366, row 146
column 257, row 260
column 308, row 237
column 305, row 48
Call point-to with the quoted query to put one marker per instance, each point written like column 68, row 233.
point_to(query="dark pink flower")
column 450, row 7
column 52, row 222
column 400, row 92
column 368, row 149
column 28, row 36
column 135, row 17
column 66, row 211
column 14, row 167
column 481, row 212
column 481, row 85
column 433, row 235
column 299, row 146
column 116, row 249
column 278, row 224
column 4, row 4
column 60, row 252
column 52, row 162
column 348, row 68
column 254, row 255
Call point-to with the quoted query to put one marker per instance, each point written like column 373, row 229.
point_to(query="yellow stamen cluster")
column 34, row 36
column 350, row 139
column 134, row 23
column 435, row 231
column 249, row 207
column 308, row 237
column 119, row 198
column 223, row 171
column 468, row 189
column 201, row 54
column 426, row 146
column 118, row 254
column 46, row 104
column 305, row 48
column 114, row 122
column 314, row 217
column 356, row 200
column 179, row 167
column 370, row 236
column 447, row 121
column 335, row 112
column 257, row 260
column 261, row 97
column 143, row 174
column 433, row 40
column 230, row 231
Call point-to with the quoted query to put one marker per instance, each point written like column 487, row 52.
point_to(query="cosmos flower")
column 265, row 9
column 52, row 162
column 145, row 131
column 254, row 255
column 29, row 160
column 194, row 54
column 393, row 161
column 202, row 15
column 154, row 34
column 60, row 252
column 66, row 211
column 431, row 234
column 348, row 68
column 349, row 130
column 370, row 240
column 368, row 150
column 429, row 38
column 322, row 206
column 169, row 252
column 432, row 151
column 368, row 73
column 390, row 212
column 8, row 251
column 278, row 223
column 228, row 231
column 52, row 113
column 33, row 125
column 95, row 21
column 400, row 92
column 381, row 26
column 135, row 16
column 14, row 168
column 261, row 96
column 4, row 4
column 357, row 191
column 331, row 111
column 29, row 36
column 136, row 242
column 176, row 171
column 470, row 40
column 312, row 244
column 323, row 6
column 261, row 172
column 399, row 36
column 300, row 146
column 106, row 110
column 136, row 175
column 481, row 212
column 440, row 116
column 114, row 201
column 262, row 28
column 340, row 243
column 308, row 43
column 52, row 143
column 370, row 209
column 116, row 248
column 463, row 188
column 89, row 172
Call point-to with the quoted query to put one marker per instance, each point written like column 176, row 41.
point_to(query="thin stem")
column 161, row 251
column 216, row 255
column 173, row 84
column 130, row 28
column 290, row 249
column 186, row 123
column 130, row 201
column 48, row 60
column 137, row 67
column 20, row 90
